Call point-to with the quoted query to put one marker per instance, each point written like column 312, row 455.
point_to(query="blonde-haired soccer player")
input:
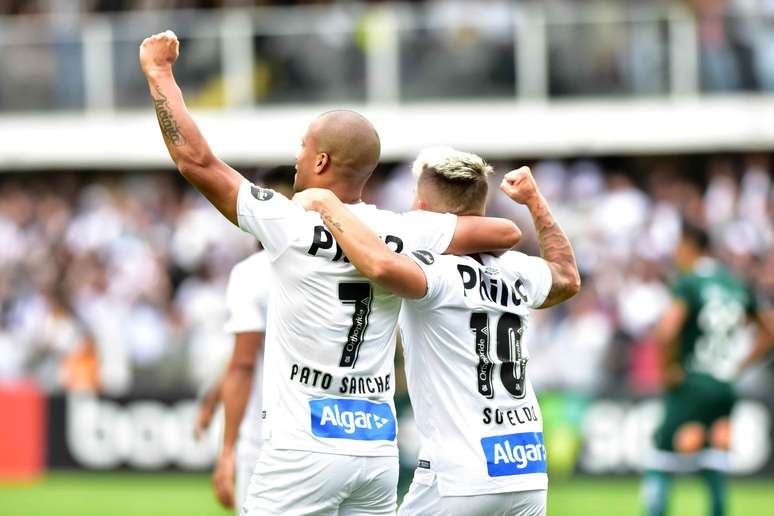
column 462, row 323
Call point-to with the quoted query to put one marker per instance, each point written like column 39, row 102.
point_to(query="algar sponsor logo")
column 514, row 454
column 356, row 419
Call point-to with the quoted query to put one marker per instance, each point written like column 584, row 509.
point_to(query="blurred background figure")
column 699, row 337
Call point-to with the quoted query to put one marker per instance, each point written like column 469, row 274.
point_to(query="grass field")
column 149, row 494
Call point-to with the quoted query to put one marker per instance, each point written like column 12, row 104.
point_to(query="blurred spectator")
column 88, row 273
column 116, row 282
column 445, row 49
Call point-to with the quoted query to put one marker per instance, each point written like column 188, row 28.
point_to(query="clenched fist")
column 159, row 52
column 520, row 186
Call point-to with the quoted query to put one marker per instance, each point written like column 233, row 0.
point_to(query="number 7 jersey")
column 330, row 335
column 467, row 373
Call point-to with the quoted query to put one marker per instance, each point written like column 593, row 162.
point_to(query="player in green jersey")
column 699, row 337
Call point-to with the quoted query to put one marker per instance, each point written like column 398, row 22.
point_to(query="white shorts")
column 245, row 464
column 425, row 500
column 292, row 482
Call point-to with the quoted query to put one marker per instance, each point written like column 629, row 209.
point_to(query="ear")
column 321, row 162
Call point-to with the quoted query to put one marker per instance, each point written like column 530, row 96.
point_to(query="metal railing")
column 385, row 54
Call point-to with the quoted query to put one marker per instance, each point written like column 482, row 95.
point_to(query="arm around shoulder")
column 478, row 234
column 362, row 246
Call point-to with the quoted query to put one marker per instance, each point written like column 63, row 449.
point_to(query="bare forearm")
column 760, row 350
column 764, row 342
column 481, row 234
column 182, row 137
column 666, row 352
column 369, row 254
column 555, row 249
column 237, row 384
column 212, row 395
column 188, row 148
column 360, row 244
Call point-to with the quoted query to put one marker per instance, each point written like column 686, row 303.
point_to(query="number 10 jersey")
column 466, row 368
column 330, row 337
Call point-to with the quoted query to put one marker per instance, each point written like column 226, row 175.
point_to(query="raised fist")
column 159, row 52
column 519, row 185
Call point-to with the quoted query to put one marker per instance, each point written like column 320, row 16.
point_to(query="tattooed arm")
column 218, row 182
column 555, row 249
column 362, row 246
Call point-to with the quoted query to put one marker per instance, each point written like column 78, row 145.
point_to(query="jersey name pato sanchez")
column 330, row 337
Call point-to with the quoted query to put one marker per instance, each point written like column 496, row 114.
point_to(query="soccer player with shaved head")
column 329, row 423
column 462, row 325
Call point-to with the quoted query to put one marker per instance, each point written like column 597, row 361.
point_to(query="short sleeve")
column 269, row 216
column 534, row 274
column 428, row 230
column 246, row 300
column 428, row 262
column 682, row 289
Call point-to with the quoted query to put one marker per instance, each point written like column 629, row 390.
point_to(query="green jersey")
column 714, row 336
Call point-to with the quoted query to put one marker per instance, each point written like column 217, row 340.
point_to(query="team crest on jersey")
column 425, row 257
column 514, row 454
column 491, row 271
column 262, row 194
column 355, row 419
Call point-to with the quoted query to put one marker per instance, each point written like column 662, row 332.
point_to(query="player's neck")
column 346, row 194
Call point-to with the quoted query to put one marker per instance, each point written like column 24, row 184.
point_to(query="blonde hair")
column 458, row 178
column 451, row 164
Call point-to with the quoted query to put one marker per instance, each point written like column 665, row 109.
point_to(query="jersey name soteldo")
column 330, row 337
column 466, row 368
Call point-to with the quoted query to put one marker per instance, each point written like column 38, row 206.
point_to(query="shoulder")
column 515, row 263
column 685, row 286
column 685, row 280
column 431, row 259
column 372, row 214
column 254, row 201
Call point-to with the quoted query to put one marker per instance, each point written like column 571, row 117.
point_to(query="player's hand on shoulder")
column 159, row 52
column 312, row 199
column 519, row 185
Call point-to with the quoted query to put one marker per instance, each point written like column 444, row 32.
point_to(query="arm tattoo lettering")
column 332, row 223
column 555, row 248
column 169, row 126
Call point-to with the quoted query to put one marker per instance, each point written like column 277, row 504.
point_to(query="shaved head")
column 350, row 140
column 339, row 151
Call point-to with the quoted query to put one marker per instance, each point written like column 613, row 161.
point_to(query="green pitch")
column 149, row 494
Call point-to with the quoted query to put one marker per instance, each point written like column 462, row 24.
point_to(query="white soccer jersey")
column 247, row 300
column 330, row 336
column 467, row 374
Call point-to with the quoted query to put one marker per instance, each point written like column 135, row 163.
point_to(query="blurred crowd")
column 452, row 49
column 112, row 282
column 115, row 282
column 37, row 6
